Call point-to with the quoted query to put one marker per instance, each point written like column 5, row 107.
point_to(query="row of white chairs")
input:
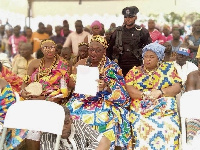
column 25, row 114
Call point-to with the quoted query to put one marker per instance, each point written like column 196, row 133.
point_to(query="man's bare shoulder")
column 194, row 73
column 35, row 63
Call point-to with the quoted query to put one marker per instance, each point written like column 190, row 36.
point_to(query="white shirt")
column 74, row 39
column 185, row 70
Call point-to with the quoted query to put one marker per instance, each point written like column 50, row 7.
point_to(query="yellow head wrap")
column 47, row 40
column 100, row 39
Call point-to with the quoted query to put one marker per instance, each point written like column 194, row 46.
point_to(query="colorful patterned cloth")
column 14, row 136
column 193, row 126
column 14, row 80
column 106, row 111
column 155, row 125
column 7, row 98
column 52, row 83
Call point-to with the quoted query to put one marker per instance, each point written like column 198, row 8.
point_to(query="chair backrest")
column 189, row 104
column 36, row 115
column 189, row 108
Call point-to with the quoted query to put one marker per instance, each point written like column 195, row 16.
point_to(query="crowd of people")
column 142, row 75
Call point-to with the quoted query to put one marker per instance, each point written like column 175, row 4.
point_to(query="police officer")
column 126, row 43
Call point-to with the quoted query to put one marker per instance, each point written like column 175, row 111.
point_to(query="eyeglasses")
column 49, row 48
column 96, row 50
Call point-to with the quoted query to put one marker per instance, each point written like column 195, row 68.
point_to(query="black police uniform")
column 133, row 40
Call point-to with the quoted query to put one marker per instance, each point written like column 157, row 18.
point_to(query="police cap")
column 130, row 11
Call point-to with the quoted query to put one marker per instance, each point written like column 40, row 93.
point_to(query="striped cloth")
column 193, row 126
column 82, row 137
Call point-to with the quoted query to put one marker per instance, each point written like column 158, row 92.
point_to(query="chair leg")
column 3, row 136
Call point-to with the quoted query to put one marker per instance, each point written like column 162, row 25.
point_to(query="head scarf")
column 100, row 40
column 96, row 23
column 156, row 48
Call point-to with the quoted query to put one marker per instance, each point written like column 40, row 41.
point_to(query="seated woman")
column 106, row 111
column 52, row 73
column 153, row 110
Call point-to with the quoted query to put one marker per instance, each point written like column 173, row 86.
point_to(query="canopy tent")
column 54, row 11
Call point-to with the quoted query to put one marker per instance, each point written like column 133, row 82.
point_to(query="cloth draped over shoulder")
column 52, row 83
column 106, row 112
column 14, row 80
column 158, row 121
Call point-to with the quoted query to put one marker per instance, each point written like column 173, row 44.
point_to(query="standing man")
column 155, row 35
column 14, row 41
column 38, row 36
column 126, row 42
column 76, row 37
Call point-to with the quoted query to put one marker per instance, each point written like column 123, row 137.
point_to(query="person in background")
column 82, row 51
column 14, row 41
column 102, row 33
column 28, row 32
column 193, row 42
column 153, row 111
column 22, row 62
column 39, row 54
column 76, row 37
column 49, row 30
column 38, row 36
column 65, row 30
column 72, row 138
column 2, row 33
column 193, row 83
column 169, row 55
column 58, row 39
column 167, row 33
column 155, row 35
column 127, row 48
column 87, row 29
column 5, row 41
column 59, row 49
column 109, row 33
column 96, row 28
column 183, row 68
column 176, row 41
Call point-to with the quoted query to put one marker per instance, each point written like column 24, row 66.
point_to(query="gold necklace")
column 42, row 71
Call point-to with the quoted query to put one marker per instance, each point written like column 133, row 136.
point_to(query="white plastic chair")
column 189, row 108
column 38, row 115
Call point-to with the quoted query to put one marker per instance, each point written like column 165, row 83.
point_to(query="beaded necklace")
column 149, row 73
column 42, row 71
column 100, row 65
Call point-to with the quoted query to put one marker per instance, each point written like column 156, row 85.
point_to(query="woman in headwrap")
column 105, row 112
column 96, row 28
column 153, row 110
